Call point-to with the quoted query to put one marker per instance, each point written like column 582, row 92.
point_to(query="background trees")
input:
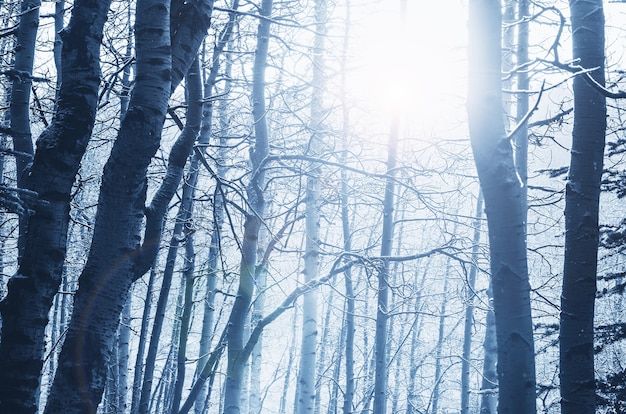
column 221, row 231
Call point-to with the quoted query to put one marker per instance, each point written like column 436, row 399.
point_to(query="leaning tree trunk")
column 239, row 312
column 59, row 151
column 116, row 257
column 505, row 214
column 582, row 194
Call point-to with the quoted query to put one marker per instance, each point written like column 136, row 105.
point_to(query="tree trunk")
column 239, row 312
column 582, row 194
column 59, row 151
column 489, row 387
column 504, row 207
column 21, row 77
column 141, row 346
column 380, row 383
column 117, row 231
column 306, row 373
column 469, row 311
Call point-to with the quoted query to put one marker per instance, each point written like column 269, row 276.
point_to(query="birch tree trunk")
column 306, row 373
column 505, row 214
column 59, row 151
column 582, row 194
column 239, row 313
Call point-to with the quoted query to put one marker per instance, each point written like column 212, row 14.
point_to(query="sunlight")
column 419, row 69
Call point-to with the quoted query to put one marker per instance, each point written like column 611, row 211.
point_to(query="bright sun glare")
column 419, row 68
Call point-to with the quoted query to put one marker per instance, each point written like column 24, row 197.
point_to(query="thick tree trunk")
column 582, row 195
column 239, row 313
column 117, row 233
column 504, row 203
column 102, row 291
column 59, row 151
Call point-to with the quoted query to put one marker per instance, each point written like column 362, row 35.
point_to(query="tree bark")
column 582, row 194
column 469, row 311
column 59, row 151
column 117, row 231
column 306, row 373
column 504, row 207
column 245, row 290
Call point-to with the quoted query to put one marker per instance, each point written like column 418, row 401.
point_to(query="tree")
column 582, row 194
column 256, row 201
column 160, row 64
column 59, row 151
column 504, row 209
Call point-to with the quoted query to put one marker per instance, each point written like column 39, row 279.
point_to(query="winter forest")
column 312, row 206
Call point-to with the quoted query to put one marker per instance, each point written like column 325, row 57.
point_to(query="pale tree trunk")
column 121, row 207
column 489, row 386
column 441, row 337
column 239, row 313
column 505, row 211
column 469, row 311
column 292, row 352
column 255, row 399
column 348, row 394
column 306, row 373
column 582, row 194
column 412, row 398
column 60, row 148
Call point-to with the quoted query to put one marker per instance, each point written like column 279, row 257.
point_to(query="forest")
column 312, row 206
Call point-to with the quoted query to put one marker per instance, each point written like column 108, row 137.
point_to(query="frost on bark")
column 504, row 209
column 582, row 194
column 59, row 151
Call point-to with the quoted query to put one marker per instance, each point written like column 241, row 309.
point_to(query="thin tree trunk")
column 348, row 394
column 239, row 313
column 582, row 194
column 380, row 384
column 141, row 346
column 469, row 311
column 441, row 337
column 306, row 376
column 489, row 387
column 505, row 211
column 292, row 352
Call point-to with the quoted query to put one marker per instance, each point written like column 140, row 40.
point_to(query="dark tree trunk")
column 59, row 151
column 582, row 195
column 504, row 203
column 116, row 258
